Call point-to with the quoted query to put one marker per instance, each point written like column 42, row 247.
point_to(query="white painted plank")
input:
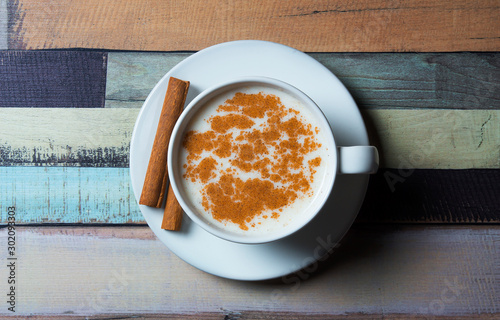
column 432, row 139
column 412, row 270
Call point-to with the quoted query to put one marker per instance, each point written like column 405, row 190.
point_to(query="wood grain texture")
column 3, row 25
column 419, row 80
column 432, row 196
column 132, row 75
column 68, row 195
column 75, row 79
column 66, row 137
column 261, row 315
column 314, row 26
column 104, row 195
column 434, row 139
column 376, row 80
column 414, row 270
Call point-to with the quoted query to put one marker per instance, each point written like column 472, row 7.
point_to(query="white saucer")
column 262, row 261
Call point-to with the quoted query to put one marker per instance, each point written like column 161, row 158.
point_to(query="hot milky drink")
column 253, row 159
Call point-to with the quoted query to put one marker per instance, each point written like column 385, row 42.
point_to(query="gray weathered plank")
column 262, row 315
column 405, row 270
column 433, row 139
column 3, row 25
column 376, row 80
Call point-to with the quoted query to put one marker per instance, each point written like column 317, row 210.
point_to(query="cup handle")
column 358, row 160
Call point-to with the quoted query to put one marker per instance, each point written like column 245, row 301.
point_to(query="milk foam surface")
column 295, row 211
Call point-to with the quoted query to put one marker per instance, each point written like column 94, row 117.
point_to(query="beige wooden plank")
column 3, row 25
column 433, row 139
column 314, row 26
column 405, row 270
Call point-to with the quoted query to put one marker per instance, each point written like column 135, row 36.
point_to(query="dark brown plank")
column 432, row 196
column 75, row 79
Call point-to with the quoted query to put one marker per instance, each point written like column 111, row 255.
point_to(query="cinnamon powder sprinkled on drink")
column 266, row 138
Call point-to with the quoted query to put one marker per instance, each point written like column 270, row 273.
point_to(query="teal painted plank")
column 419, row 80
column 68, row 195
column 131, row 76
column 462, row 80
column 104, row 195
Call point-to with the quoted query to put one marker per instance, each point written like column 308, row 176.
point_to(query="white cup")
column 342, row 160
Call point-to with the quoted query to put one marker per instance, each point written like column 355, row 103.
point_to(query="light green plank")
column 436, row 139
column 66, row 137
column 420, row 139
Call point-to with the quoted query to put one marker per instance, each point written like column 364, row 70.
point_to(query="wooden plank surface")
column 432, row 196
column 414, row 270
column 74, row 79
column 132, row 75
column 3, row 25
column 376, row 80
column 445, row 139
column 419, row 80
column 419, row 139
column 260, row 315
column 66, row 137
column 104, row 195
column 408, row 256
column 313, row 26
column 69, row 195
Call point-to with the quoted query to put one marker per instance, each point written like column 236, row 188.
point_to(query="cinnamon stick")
column 155, row 183
column 172, row 216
